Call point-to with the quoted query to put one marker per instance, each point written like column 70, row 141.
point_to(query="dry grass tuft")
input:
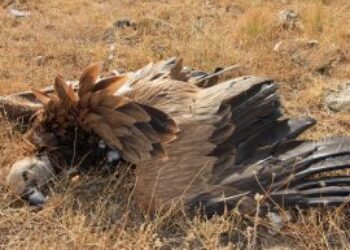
column 64, row 36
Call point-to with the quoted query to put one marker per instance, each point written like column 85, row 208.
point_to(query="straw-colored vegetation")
column 64, row 36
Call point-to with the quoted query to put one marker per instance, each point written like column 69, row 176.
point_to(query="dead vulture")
column 192, row 142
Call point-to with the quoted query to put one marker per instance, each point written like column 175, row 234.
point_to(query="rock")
column 124, row 22
column 311, row 43
column 291, row 46
column 40, row 60
column 331, row 58
column 18, row 13
column 277, row 46
column 110, row 34
column 224, row 239
column 339, row 100
column 277, row 221
column 288, row 16
column 289, row 19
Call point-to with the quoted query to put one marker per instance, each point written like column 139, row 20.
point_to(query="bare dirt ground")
column 64, row 36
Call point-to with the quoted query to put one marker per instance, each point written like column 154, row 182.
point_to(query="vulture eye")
column 25, row 175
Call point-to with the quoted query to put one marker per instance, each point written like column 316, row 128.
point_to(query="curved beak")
column 35, row 197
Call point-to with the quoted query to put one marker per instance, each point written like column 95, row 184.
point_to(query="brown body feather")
column 118, row 120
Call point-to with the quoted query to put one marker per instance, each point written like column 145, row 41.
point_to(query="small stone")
column 293, row 45
column 18, row 13
column 224, row 239
column 75, row 179
column 111, row 48
column 277, row 221
column 288, row 16
column 339, row 100
column 312, row 43
column 157, row 243
column 258, row 197
column 40, row 60
column 289, row 19
column 277, row 46
column 124, row 22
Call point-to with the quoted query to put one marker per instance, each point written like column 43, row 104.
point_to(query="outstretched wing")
column 234, row 143
column 206, row 146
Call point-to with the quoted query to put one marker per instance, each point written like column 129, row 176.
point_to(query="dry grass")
column 64, row 36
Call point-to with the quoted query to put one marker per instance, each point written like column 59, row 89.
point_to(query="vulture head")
column 87, row 130
column 28, row 177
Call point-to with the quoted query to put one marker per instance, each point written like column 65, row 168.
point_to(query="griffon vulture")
column 193, row 139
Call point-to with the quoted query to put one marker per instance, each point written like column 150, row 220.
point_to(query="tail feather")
column 268, row 158
column 251, row 115
column 304, row 201
column 275, row 132
column 322, row 182
column 243, row 132
column 295, row 176
column 331, row 190
column 255, row 95
column 315, row 160
column 327, row 165
column 324, row 201
column 326, row 152
column 302, row 147
column 317, row 192
column 328, row 195
column 254, row 105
